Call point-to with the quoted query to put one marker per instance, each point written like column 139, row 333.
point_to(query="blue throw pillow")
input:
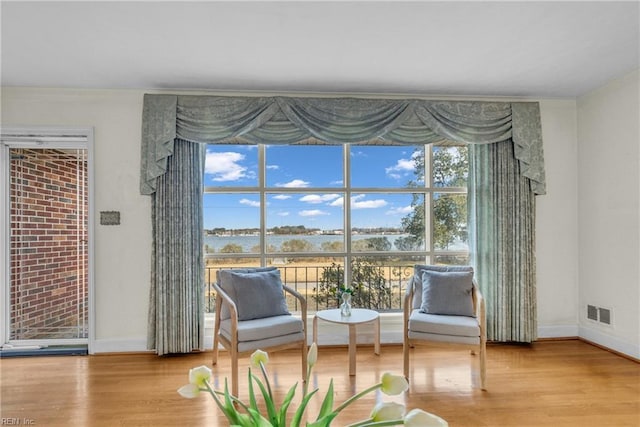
column 447, row 293
column 417, row 278
column 257, row 294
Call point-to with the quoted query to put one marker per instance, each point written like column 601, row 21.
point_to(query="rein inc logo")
column 9, row 421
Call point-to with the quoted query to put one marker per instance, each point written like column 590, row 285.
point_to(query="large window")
column 333, row 214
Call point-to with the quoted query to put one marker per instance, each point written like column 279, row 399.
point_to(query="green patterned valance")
column 285, row 120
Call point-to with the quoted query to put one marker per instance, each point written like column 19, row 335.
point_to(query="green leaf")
column 271, row 409
column 258, row 420
column 282, row 415
column 295, row 422
column 252, row 397
column 327, row 403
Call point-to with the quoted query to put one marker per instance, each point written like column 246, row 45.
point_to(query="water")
column 248, row 242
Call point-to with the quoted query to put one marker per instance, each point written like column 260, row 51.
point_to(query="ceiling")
column 455, row 48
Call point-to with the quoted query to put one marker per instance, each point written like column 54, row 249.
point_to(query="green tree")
column 450, row 169
column 296, row 245
column 371, row 244
column 231, row 248
column 370, row 288
column 335, row 246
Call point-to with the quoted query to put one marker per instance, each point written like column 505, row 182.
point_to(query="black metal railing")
column 379, row 287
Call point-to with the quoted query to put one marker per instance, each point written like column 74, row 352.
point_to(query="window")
column 333, row 214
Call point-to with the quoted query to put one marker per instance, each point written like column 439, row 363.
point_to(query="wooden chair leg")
column 483, row 368
column 234, row 372
column 405, row 356
column 216, row 343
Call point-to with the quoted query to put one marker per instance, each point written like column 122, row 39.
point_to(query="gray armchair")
column 251, row 314
column 451, row 311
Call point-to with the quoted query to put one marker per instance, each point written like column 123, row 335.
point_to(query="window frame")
column 427, row 189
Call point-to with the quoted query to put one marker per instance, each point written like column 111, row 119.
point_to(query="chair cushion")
column 447, row 293
column 256, row 294
column 443, row 325
column 418, row 269
column 261, row 329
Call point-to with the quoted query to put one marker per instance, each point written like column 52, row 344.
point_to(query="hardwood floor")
column 555, row 383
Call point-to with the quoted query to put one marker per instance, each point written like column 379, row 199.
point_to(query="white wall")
column 608, row 209
column 123, row 252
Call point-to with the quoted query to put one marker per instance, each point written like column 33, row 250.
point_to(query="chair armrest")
column 301, row 299
column 408, row 300
column 226, row 299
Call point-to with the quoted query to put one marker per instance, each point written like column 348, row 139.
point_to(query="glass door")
column 47, row 240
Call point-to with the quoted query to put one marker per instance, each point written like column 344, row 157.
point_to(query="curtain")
column 284, row 120
column 502, row 241
column 176, row 309
column 506, row 266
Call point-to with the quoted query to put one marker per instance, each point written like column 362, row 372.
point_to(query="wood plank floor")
column 555, row 383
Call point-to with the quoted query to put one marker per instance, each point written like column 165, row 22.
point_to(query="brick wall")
column 49, row 210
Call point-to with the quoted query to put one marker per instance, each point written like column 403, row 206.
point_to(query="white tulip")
column 420, row 418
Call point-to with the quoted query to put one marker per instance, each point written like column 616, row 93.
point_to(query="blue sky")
column 303, row 169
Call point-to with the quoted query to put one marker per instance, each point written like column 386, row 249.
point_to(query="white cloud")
column 402, row 210
column 337, row 202
column 358, row 202
column 296, row 183
column 319, row 198
column 283, row 214
column 251, row 203
column 274, row 167
column 368, row 204
column 313, row 212
column 282, row 197
column 225, row 166
column 403, row 167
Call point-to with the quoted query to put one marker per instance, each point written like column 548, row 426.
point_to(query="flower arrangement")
column 242, row 414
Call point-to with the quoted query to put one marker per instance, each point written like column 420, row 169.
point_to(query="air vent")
column 605, row 315
column 592, row 312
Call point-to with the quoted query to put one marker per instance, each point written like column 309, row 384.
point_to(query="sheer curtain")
column 176, row 308
column 506, row 268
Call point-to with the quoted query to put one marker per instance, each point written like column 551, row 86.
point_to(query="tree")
column 296, row 245
column 370, row 288
column 450, row 167
column 371, row 244
column 231, row 248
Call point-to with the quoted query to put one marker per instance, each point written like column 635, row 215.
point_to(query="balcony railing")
column 380, row 287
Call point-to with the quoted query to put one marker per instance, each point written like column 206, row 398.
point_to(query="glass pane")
column 231, row 223
column 315, row 278
column 48, row 210
column 380, row 282
column 231, row 166
column 387, row 166
column 304, row 166
column 450, row 166
column 452, row 259
column 450, row 222
column 387, row 222
column 305, row 222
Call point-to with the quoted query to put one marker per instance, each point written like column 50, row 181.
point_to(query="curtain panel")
column 502, row 241
column 176, row 303
column 286, row 120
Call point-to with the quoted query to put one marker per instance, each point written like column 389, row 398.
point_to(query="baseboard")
column 133, row 345
column 608, row 342
column 559, row 331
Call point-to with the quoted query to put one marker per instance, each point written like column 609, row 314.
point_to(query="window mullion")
column 347, row 211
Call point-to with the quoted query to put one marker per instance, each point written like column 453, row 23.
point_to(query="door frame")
column 45, row 137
